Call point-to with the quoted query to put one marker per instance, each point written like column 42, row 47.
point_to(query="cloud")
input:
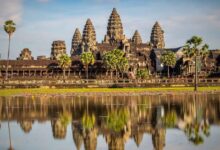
column 11, row 10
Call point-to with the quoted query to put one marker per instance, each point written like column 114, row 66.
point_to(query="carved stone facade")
column 76, row 41
column 114, row 28
column 136, row 39
column 58, row 48
column 157, row 36
column 25, row 55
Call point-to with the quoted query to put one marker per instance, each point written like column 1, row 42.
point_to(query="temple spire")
column 157, row 36
column 114, row 28
column 25, row 55
column 89, row 37
column 76, row 41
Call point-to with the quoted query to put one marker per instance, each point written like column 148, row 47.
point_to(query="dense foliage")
column 9, row 27
column 115, row 60
column 194, row 46
column 142, row 73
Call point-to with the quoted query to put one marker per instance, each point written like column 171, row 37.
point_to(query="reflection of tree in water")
column 170, row 119
column 89, row 131
column 59, row 126
column 26, row 126
column 199, row 127
column 118, row 125
column 88, row 121
column 117, row 119
column 159, row 130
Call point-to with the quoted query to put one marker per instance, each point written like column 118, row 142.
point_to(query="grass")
column 11, row 92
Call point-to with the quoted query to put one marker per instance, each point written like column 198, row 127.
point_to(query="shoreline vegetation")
column 108, row 91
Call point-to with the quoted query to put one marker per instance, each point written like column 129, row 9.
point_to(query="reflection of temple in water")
column 26, row 126
column 140, row 114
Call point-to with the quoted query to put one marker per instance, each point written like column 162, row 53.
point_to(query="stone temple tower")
column 58, row 48
column 76, row 41
column 136, row 39
column 25, row 55
column 89, row 37
column 157, row 36
column 114, row 28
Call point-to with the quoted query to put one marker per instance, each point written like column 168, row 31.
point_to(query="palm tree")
column 64, row 61
column 9, row 28
column 87, row 58
column 110, row 61
column 115, row 61
column 9, row 129
column 193, row 49
column 123, row 65
column 169, row 60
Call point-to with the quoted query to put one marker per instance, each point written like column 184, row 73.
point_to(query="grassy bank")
column 11, row 92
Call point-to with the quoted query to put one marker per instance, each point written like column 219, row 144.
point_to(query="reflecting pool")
column 106, row 122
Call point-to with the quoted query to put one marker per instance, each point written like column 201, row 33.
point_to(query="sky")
column 40, row 22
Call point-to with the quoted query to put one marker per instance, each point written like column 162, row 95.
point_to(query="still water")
column 102, row 122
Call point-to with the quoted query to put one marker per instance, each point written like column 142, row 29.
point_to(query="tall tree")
column 122, row 65
column 110, row 61
column 9, row 28
column 64, row 61
column 169, row 60
column 87, row 58
column 195, row 49
column 115, row 60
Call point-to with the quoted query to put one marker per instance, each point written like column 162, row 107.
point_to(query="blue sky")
column 40, row 22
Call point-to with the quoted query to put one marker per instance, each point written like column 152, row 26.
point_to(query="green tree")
column 169, row 60
column 142, row 73
column 115, row 60
column 9, row 28
column 87, row 58
column 195, row 49
column 64, row 61
column 122, row 65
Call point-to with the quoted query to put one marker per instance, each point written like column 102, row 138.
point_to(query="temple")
column 140, row 54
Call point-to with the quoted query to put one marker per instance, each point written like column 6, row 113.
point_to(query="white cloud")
column 10, row 9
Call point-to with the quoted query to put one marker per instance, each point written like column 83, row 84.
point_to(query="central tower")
column 114, row 28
